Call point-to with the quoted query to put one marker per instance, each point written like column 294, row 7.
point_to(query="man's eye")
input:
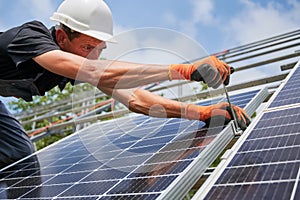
column 86, row 48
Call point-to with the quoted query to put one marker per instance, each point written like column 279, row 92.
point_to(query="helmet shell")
column 89, row 17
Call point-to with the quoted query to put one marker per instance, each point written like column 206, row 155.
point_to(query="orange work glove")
column 220, row 110
column 210, row 70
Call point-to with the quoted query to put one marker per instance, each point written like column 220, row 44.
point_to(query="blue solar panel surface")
column 290, row 93
column 267, row 164
column 136, row 157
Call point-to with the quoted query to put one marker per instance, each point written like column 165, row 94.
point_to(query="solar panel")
column 290, row 93
column 265, row 163
column 134, row 157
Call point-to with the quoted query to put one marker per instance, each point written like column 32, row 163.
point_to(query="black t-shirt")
column 17, row 48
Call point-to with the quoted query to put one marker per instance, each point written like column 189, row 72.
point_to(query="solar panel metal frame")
column 229, row 154
column 191, row 174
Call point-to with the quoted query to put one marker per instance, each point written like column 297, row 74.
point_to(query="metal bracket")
column 236, row 131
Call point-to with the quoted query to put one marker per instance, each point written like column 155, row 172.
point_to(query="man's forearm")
column 125, row 75
column 145, row 102
column 110, row 74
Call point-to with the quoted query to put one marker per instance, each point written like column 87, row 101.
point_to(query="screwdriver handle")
column 196, row 75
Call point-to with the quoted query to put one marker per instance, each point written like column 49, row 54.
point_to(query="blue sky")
column 215, row 25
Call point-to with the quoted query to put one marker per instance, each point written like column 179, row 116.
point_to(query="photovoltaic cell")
column 271, row 190
column 269, row 158
column 266, row 164
column 136, row 157
column 290, row 93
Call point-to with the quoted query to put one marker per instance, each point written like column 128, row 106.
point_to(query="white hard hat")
column 90, row 17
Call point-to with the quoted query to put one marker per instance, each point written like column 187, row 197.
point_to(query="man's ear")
column 61, row 38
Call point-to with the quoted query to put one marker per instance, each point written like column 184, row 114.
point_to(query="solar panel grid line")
column 142, row 139
column 292, row 119
column 254, row 150
column 216, row 146
column 144, row 163
column 137, row 196
column 265, row 164
column 274, row 136
column 259, row 191
column 255, row 173
column 288, row 99
column 125, row 133
column 272, row 109
column 257, row 100
column 290, row 129
column 70, row 143
column 204, row 189
column 268, row 155
column 292, row 77
column 120, row 138
column 256, row 182
column 25, row 158
column 293, row 195
column 163, row 171
column 70, row 157
column 198, row 167
column 267, row 151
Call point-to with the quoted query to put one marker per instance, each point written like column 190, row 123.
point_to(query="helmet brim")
column 99, row 35
column 82, row 29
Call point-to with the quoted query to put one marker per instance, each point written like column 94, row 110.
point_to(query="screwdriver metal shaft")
column 237, row 128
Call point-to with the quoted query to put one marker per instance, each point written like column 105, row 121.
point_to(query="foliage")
column 48, row 140
column 41, row 103
column 50, row 97
column 204, row 86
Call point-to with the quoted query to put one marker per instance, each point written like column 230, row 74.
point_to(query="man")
column 34, row 59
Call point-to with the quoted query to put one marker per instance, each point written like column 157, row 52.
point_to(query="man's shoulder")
column 34, row 24
column 35, row 30
column 27, row 28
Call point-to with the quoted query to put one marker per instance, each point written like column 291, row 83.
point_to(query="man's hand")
column 220, row 110
column 210, row 70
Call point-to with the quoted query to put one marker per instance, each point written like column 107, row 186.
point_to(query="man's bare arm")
column 110, row 74
column 145, row 102
column 121, row 75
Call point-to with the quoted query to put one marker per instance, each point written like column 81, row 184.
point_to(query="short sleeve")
column 31, row 40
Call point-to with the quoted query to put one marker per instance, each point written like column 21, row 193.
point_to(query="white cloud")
column 250, row 22
column 169, row 18
column 41, row 10
column 202, row 11
column 153, row 45
column 25, row 10
column 256, row 22
column 247, row 75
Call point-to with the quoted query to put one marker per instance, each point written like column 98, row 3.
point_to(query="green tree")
column 41, row 103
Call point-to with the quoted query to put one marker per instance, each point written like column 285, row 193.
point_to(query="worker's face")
column 85, row 46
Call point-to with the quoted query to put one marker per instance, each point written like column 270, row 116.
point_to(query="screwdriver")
column 237, row 129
